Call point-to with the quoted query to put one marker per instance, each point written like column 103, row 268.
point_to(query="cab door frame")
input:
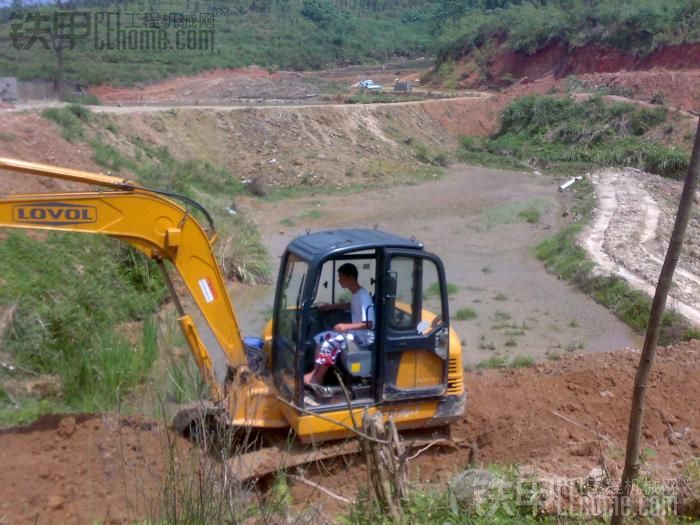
column 399, row 329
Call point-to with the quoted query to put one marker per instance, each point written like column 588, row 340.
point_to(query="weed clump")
column 465, row 314
column 70, row 120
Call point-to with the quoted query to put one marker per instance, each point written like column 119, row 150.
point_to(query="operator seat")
column 358, row 358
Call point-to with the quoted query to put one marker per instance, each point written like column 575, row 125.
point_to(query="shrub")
column 465, row 314
column 545, row 129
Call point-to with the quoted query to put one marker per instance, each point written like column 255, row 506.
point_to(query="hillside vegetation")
column 635, row 26
column 290, row 34
column 313, row 34
column 80, row 334
column 540, row 130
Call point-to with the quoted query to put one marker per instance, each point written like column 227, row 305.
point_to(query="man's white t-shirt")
column 362, row 310
column 361, row 307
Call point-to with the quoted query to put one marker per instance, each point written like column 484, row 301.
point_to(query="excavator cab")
column 408, row 360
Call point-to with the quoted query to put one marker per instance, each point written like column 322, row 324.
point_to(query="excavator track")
column 256, row 454
column 269, row 460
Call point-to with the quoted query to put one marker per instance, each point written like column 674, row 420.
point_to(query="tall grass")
column 71, row 291
column 101, row 376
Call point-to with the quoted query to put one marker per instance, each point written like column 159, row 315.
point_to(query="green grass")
column 382, row 97
column 511, row 211
column 522, row 361
column 398, row 174
column 86, row 100
column 531, row 215
column 541, row 130
column 104, row 373
column 70, row 120
column 493, row 362
column 465, row 314
column 28, row 409
column 634, row 26
column 434, row 290
column 66, row 315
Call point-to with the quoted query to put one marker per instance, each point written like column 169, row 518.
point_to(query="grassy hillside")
column 311, row 34
column 287, row 34
column 541, row 130
column 637, row 26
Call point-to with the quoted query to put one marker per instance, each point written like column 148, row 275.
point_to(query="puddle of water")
column 520, row 308
column 253, row 306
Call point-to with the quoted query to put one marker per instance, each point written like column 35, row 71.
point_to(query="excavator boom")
column 158, row 227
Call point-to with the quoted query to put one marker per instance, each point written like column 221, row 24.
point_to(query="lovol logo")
column 54, row 214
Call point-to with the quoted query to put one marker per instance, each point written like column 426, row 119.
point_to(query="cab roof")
column 321, row 244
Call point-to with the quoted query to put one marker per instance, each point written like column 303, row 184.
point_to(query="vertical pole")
column 646, row 360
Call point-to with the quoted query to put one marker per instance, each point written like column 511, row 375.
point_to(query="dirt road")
column 630, row 235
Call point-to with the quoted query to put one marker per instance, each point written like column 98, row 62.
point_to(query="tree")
column 646, row 360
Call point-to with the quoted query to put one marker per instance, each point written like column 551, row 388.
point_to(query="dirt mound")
column 218, row 86
column 332, row 145
column 28, row 136
column 562, row 418
column 557, row 417
column 83, row 468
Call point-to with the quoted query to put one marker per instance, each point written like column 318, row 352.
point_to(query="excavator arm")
column 160, row 228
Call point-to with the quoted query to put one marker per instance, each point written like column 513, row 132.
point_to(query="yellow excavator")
column 411, row 372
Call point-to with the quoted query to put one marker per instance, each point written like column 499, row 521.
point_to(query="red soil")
column 85, row 468
column 669, row 75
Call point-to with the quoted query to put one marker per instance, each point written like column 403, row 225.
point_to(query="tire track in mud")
column 628, row 237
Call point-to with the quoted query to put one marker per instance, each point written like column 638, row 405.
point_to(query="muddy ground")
column 629, row 237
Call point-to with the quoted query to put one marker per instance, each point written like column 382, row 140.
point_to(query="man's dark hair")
column 348, row 269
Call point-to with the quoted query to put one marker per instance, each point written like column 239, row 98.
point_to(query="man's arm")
column 345, row 327
column 334, row 306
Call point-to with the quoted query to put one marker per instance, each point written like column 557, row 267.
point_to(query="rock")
column 66, row 427
column 55, row 502
column 44, row 386
column 584, row 449
column 471, row 487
